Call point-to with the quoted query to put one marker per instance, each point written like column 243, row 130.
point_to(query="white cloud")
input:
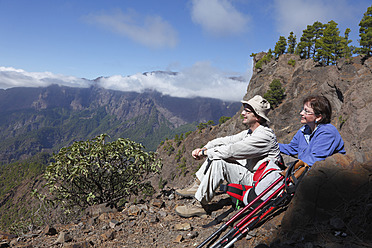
column 218, row 17
column 199, row 80
column 151, row 31
column 295, row 15
column 11, row 77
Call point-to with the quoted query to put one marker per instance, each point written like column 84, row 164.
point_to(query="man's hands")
column 198, row 153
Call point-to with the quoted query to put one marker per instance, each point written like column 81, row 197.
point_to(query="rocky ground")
column 153, row 223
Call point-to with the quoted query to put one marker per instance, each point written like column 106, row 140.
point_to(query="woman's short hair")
column 321, row 106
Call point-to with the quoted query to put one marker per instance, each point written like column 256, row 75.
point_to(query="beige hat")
column 260, row 105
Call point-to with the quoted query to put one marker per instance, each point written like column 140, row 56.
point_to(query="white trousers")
column 219, row 171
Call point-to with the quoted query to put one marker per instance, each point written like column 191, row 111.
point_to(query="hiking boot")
column 191, row 210
column 189, row 192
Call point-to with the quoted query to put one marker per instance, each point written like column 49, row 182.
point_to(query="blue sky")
column 206, row 41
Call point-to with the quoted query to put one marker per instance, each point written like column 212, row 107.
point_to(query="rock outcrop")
column 347, row 85
column 333, row 202
column 332, row 206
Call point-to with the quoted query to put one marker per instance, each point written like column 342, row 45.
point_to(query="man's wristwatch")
column 203, row 152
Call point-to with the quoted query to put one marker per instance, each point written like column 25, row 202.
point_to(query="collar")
column 306, row 130
column 250, row 130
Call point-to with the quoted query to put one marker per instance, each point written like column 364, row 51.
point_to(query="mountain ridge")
column 55, row 116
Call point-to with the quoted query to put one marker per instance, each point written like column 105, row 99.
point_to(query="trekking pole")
column 245, row 222
column 257, row 219
column 301, row 168
column 238, row 215
column 284, row 174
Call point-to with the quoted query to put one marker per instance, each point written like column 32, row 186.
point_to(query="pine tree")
column 306, row 47
column 318, row 34
column 280, row 46
column 291, row 43
column 329, row 47
column 365, row 33
column 305, row 43
column 346, row 50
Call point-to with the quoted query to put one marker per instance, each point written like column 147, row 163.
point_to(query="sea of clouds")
column 200, row 80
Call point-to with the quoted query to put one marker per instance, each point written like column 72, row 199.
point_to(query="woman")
column 317, row 139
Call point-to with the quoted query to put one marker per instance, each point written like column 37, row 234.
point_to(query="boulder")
column 336, row 192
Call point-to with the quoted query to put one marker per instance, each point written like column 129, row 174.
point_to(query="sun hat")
column 260, row 106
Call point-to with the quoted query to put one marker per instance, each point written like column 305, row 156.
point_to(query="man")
column 233, row 158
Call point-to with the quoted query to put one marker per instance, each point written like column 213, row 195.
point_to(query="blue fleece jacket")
column 324, row 141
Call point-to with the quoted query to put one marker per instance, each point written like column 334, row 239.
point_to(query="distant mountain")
column 48, row 118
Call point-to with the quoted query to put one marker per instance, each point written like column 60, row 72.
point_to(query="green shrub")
column 202, row 125
column 259, row 64
column 180, row 153
column 178, row 139
column 210, row 123
column 162, row 183
column 223, row 119
column 341, row 121
column 264, row 60
column 182, row 166
column 275, row 94
column 93, row 172
column 292, row 62
column 168, row 147
column 187, row 134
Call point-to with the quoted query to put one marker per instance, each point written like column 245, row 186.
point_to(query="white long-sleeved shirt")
column 248, row 148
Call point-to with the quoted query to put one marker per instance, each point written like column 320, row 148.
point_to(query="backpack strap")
column 263, row 175
column 258, row 173
column 251, row 196
column 235, row 190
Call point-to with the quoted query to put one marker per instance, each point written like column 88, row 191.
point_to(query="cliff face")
column 347, row 85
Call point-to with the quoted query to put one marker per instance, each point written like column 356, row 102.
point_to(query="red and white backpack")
column 265, row 175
